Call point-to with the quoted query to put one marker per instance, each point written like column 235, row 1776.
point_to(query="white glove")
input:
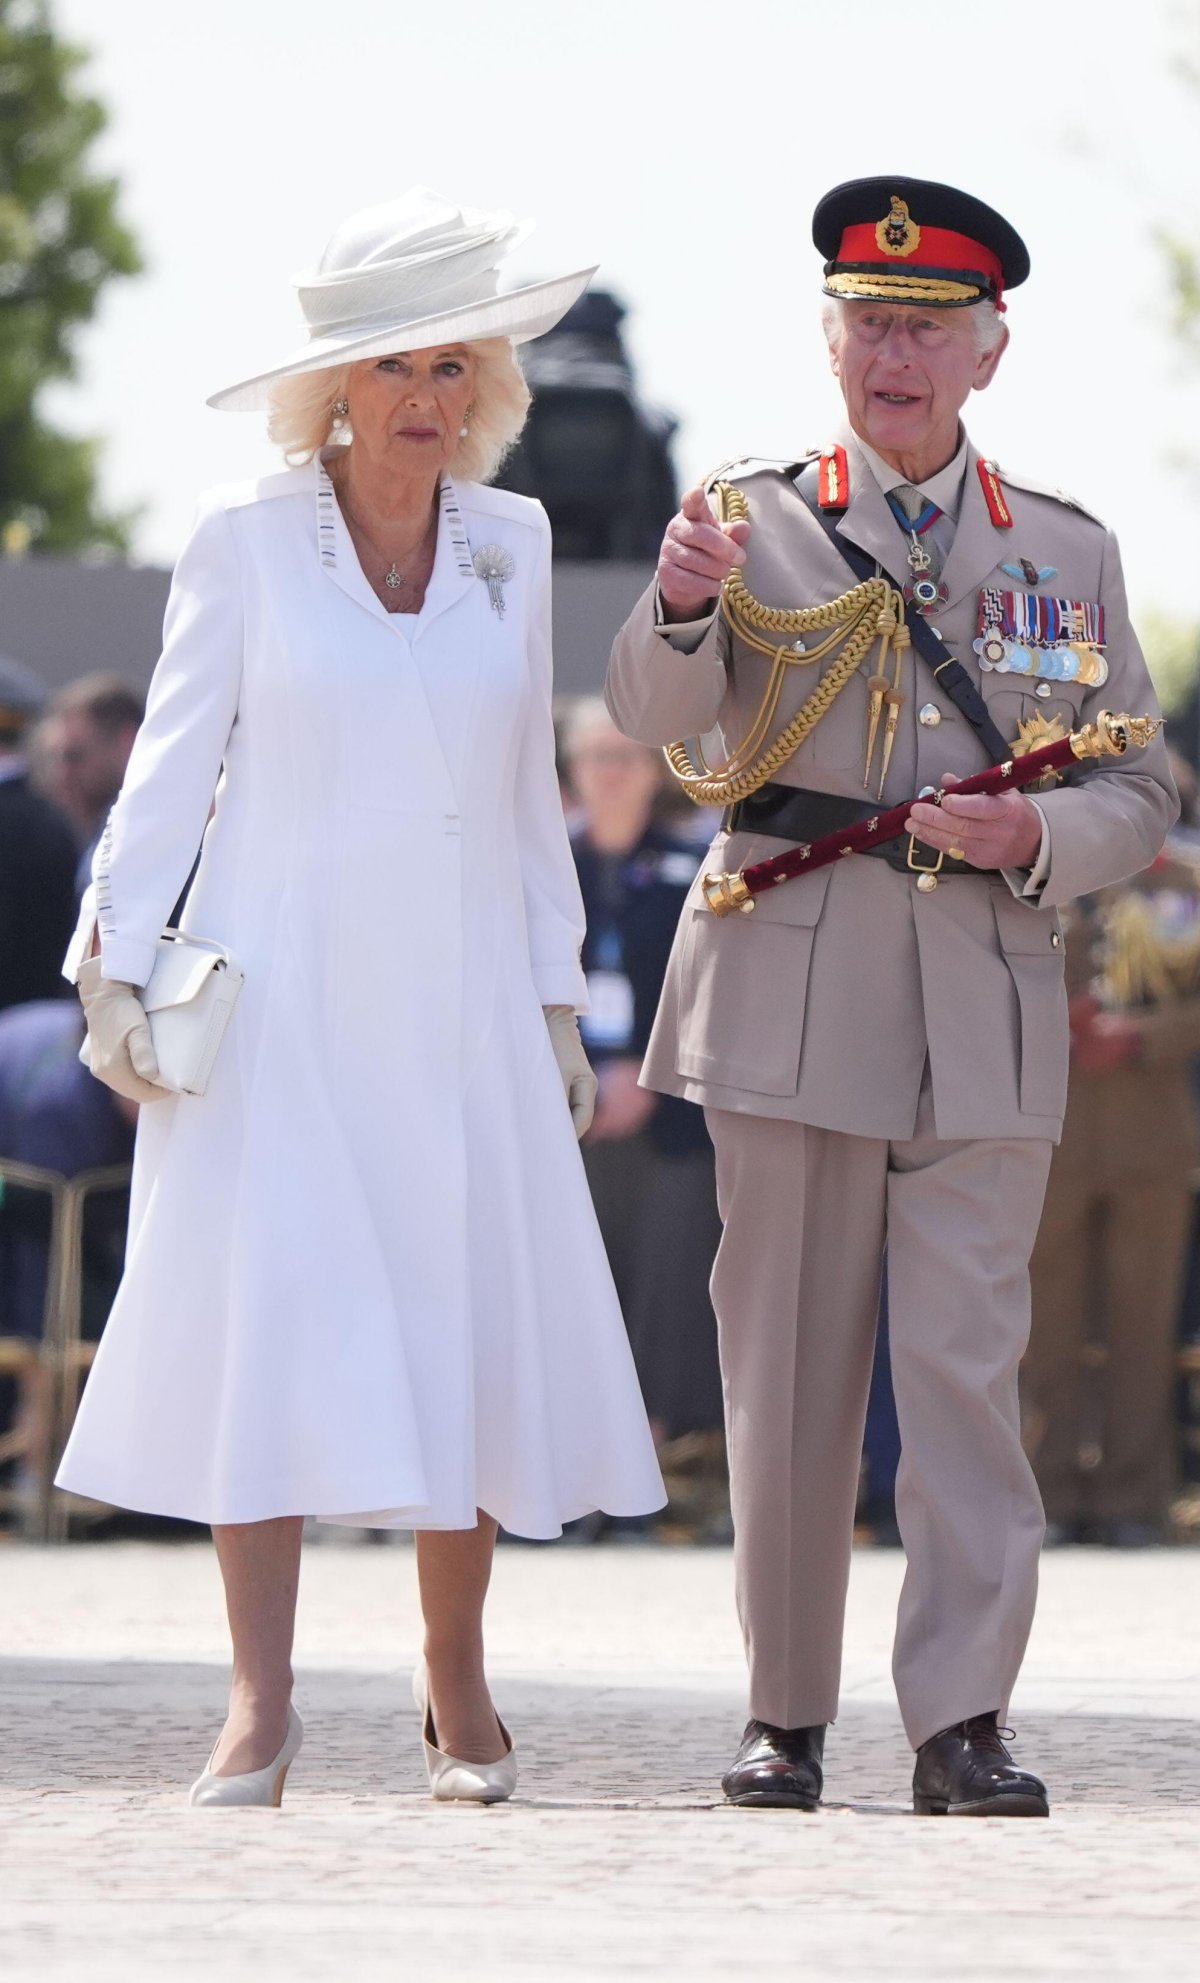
column 578, row 1080
column 120, row 1049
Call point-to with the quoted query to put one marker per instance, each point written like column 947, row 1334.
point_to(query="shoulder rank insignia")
column 993, row 494
column 740, row 465
column 1032, row 487
column 833, row 487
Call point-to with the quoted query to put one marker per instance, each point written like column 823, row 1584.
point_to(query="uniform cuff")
column 1025, row 883
column 685, row 636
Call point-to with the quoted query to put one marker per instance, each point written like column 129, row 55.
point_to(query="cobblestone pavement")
column 620, row 1671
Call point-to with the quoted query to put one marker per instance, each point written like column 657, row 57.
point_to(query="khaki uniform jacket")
column 1138, row 1121
column 823, row 1006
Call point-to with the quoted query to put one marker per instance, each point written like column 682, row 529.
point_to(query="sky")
column 682, row 144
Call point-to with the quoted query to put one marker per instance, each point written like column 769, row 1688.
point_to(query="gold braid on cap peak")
column 869, row 611
column 878, row 285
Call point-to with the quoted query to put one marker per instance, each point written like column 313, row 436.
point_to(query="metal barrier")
column 59, row 1359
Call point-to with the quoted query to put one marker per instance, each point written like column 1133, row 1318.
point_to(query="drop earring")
column 465, row 429
column 340, row 409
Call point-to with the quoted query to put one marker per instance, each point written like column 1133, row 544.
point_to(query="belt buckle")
column 927, row 876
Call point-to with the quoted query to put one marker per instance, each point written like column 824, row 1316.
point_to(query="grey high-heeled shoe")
column 450, row 1779
column 252, row 1786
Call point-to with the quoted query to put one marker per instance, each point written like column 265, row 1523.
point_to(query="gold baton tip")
column 1111, row 736
column 726, row 892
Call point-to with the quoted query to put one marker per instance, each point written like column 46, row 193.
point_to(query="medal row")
column 1072, row 662
column 1026, row 633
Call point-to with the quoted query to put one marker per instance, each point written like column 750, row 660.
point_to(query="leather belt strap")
column 787, row 812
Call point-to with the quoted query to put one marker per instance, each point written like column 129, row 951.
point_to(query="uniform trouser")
column 807, row 1213
column 1117, row 1252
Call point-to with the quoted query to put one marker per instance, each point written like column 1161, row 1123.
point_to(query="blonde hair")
column 301, row 417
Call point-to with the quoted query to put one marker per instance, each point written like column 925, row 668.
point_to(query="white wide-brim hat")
column 400, row 277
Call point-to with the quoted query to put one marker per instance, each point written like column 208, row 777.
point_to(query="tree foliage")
column 61, row 240
column 1182, row 252
column 1170, row 645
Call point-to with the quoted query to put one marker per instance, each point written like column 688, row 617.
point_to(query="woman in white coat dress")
column 363, row 1279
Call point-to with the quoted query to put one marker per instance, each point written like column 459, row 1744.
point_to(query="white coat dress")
column 363, row 1278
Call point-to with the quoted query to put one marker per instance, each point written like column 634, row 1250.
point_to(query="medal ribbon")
column 914, row 525
column 1037, row 621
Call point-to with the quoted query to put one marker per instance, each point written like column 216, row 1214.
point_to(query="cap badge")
column 897, row 233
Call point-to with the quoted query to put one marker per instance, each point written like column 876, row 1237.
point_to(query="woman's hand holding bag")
column 577, row 1078
column 120, row 1049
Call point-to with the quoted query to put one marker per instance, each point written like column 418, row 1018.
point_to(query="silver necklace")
column 393, row 577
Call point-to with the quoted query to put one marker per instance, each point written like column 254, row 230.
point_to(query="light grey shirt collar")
column 945, row 488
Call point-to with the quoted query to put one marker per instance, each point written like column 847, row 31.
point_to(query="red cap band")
column 938, row 248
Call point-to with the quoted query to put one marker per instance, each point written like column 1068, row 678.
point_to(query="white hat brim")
column 518, row 313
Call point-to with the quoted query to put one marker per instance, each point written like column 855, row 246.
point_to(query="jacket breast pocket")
column 744, row 982
column 1032, row 943
column 1013, row 700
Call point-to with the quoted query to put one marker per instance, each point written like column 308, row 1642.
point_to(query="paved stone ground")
column 619, row 1669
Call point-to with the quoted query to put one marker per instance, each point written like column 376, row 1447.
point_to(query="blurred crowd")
column 1112, row 1378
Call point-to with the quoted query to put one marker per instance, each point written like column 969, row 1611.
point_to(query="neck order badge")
column 915, row 514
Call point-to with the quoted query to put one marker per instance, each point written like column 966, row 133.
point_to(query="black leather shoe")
column 966, row 1772
column 777, row 1766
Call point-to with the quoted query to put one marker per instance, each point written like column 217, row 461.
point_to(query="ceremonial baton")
column 1108, row 736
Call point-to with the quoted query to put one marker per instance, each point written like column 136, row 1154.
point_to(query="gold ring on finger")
column 957, row 853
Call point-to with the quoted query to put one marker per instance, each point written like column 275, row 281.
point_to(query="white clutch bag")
column 189, row 997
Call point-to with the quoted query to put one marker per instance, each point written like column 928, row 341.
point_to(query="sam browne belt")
column 787, row 812
column 1109, row 736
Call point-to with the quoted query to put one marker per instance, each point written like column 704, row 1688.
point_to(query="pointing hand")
column 697, row 555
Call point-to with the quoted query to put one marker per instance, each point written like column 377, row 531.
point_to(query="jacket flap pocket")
column 797, row 902
column 1025, row 931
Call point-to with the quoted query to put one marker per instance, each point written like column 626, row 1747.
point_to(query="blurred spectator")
column 1108, row 1268
column 88, row 735
column 53, row 1114
column 37, row 857
column 648, row 1157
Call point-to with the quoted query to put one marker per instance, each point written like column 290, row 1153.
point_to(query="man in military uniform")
column 1108, row 1268
column 882, row 1054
